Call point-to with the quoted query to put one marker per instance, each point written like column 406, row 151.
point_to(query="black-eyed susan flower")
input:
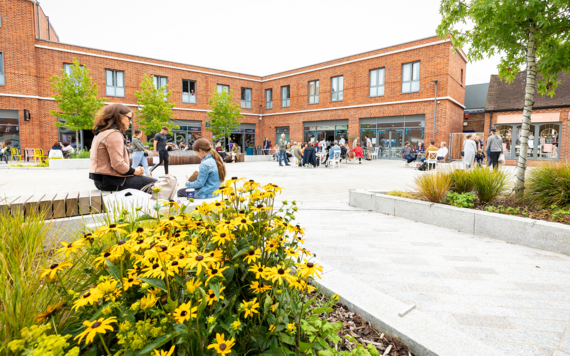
column 116, row 228
column 311, row 269
column 164, row 353
column 221, row 236
column 272, row 246
column 251, row 185
column 50, row 310
column 279, row 273
column 252, row 255
column 217, row 255
column 236, row 325
column 148, row 301
column 155, row 270
column 106, row 255
column 227, row 223
column 71, row 247
column 139, row 233
column 184, row 312
column 222, row 346
column 192, row 285
column 215, row 271
column 259, row 287
column 52, row 270
column 259, row 270
column 250, row 307
column 108, row 286
column 242, row 223
column 120, row 247
column 130, row 282
column 291, row 328
column 100, row 326
column 292, row 253
column 211, row 296
column 90, row 297
column 199, row 260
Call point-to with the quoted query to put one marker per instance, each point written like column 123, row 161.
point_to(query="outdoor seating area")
column 30, row 155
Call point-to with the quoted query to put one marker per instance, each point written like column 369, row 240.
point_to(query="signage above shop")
column 516, row 119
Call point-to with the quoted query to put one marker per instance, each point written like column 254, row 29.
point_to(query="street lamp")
column 434, row 108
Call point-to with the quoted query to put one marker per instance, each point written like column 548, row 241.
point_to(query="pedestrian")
column 266, row 145
column 495, row 147
column 368, row 148
column 160, row 147
column 139, row 153
column 480, row 156
column 283, row 151
column 469, row 151
column 341, row 141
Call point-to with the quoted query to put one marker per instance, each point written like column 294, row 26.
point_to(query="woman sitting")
column 109, row 163
column 220, row 150
column 235, row 153
column 211, row 172
column 56, row 146
column 358, row 152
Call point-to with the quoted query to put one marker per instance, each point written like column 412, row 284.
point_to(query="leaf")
column 113, row 270
column 307, row 304
column 144, row 217
column 229, row 274
column 303, row 347
column 216, row 288
column 287, row 339
column 155, row 282
column 318, row 311
column 158, row 342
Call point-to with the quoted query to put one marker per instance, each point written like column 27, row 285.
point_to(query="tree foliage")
column 155, row 107
column 224, row 115
column 76, row 99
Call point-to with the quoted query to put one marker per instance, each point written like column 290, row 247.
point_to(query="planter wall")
column 258, row 158
column 539, row 234
column 74, row 163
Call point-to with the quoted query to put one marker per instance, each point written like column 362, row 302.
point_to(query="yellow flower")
column 258, row 287
column 335, row 297
column 222, row 235
column 252, row 255
column 211, row 319
column 131, row 281
column 52, row 270
column 250, row 307
column 90, row 297
column 155, row 270
column 103, row 230
column 236, row 324
column 119, row 248
column 291, row 328
column 184, row 312
column 199, row 260
column 105, row 255
column 273, row 188
column 307, row 269
column 280, row 273
column 271, row 328
column 192, row 285
column 222, row 346
column 242, row 223
column 148, row 301
column 50, row 310
column 170, row 203
column 272, row 246
column 108, row 286
column 69, row 248
column 162, row 352
column 99, row 326
column 259, row 270
column 291, row 252
column 211, row 296
column 251, row 185
column 215, row 271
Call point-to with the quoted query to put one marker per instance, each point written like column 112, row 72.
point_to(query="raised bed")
column 72, row 163
column 539, row 234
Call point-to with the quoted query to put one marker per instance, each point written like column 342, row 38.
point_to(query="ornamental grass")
column 461, row 181
column 229, row 277
column 489, row 183
column 433, row 186
column 549, row 184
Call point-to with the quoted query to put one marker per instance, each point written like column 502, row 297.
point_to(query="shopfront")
column 543, row 137
column 243, row 136
column 390, row 133
column 284, row 130
column 187, row 131
column 330, row 130
column 10, row 128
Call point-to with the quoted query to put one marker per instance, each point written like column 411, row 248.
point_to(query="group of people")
column 473, row 152
column 412, row 153
column 65, row 148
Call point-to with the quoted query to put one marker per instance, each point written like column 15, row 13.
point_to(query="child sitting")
column 480, row 156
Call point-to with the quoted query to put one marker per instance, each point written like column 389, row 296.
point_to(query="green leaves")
column 224, row 115
column 155, row 106
column 157, row 283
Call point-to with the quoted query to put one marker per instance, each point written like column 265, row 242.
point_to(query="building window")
column 411, row 77
column 161, row 82
column 314, row 92
column 2, row 78
column 67, row 69
column 188, row 91
column 461, row 76
column 115, row 83
column 543, row 140
column 285, row 96
column 269, row 98
column 246, row 98
column 377, row 82
column 336, row 89
column 222, row 88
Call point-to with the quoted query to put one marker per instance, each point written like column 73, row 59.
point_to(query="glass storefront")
column 317, row 131
column 279, row 131
column 10, row 128
column 543, row 140
column 389, row 134
column 68, row 136
column 243, row 136
column 187, row 132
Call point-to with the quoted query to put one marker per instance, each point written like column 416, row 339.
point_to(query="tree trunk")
column 77, row 140
column 527, row 111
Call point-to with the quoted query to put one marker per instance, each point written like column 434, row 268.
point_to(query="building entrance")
column 388, row 134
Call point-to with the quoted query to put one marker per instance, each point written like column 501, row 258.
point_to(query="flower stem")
column 53, row 322
column 104, row 344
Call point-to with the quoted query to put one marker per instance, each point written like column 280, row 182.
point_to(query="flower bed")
column 229, row 277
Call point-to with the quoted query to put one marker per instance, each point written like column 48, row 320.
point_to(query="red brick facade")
column 29, row 62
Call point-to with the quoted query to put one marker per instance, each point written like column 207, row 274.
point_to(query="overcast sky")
column 258, row 37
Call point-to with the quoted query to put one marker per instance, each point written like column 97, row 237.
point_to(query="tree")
column 224, row 115
column 535, row 32
column 76, row 99
column 155, row 108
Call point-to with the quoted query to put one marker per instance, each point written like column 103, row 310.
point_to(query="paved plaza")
column 514, row 298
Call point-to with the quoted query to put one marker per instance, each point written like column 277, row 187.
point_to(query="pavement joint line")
column 407, row 310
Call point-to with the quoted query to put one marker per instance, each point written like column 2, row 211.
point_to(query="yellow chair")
column 15, row 153
column 39, row 153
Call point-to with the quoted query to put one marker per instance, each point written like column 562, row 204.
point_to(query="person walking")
column 283, row 151
column 160, row 147
column 368, row 148
column 266, row 145
column 495, row 147
column 138, row 153
column 469, row 151
column 109, row 162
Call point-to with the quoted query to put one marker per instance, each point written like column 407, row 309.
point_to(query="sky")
column 258, row 37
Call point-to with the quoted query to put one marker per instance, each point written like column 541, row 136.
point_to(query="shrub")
column 549, row 184
column 461, row 200
column 433, row 186
column 400, row 193
column 80, row 154
column 461, row 181
column 489, row 183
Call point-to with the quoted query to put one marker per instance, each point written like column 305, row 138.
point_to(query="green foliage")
column 502, row 27
column 400, row 193
column 461, row 200
column 501, row 209
column 461, row 181
column 155, row 107
column 549, row 184
column 80, row 154
column 224, row 115
column 433, row 186
column 76, row 99
column 35, row 341
column 560, row 215
column 489, row 183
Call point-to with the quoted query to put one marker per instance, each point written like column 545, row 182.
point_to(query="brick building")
column 475, row 101
column 549, row 137
column 387, row 94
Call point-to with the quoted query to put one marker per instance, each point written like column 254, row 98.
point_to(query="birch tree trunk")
column 527, row 111
column 76, row 140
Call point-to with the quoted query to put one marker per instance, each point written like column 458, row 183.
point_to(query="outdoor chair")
column 39, row 153
column 431, row 159
column 29, row 155
column 335, row 160
column 14, row 153
column 374, row 153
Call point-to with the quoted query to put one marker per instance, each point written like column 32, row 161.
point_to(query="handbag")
column 155, row 160
column 146, row 154
column 167, row 185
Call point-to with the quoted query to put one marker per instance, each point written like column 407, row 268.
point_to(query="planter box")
column 539, row 234
column 74, row 163
column 257, row 158
column 249, row 151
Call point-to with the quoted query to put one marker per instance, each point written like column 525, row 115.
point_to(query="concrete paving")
column 514, row 298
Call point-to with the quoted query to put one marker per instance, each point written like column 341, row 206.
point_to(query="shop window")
column 548, row 141
column 10, row 132
column 246, row 98
column 411, row 77
column 269, row 98
column 188, row 91
column 377, row 82
column 2, row 78
column 506, row 133
column 531, row 142
column 285, row 96
column 67, row 69
column 543, row 140
column 336, row 88
column 314, row 92
column 114, row 83
column 221, row 88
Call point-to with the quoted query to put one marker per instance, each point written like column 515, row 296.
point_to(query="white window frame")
column 221, row 87
column 269, row 100
column 314, row 97
column 187, row 97
column 379, row 75
column 246, row 104
column 2, row 73
column 337, row 95
column 409, row 83
column 285, row 96
column 113, row 89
